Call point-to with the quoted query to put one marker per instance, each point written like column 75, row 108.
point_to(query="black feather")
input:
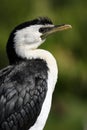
column 37, row 21
column 23, row 88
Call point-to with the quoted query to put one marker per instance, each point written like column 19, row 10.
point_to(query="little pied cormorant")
column 27, row 84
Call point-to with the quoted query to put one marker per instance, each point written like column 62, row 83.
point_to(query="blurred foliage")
column 69, row 109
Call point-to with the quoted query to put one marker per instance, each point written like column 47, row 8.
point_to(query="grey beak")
column 55, row 28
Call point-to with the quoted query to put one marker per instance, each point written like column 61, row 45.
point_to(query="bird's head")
column 30, row 35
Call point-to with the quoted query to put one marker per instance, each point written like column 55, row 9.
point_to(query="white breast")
column 52, row 78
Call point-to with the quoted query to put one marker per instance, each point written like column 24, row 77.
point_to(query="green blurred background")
column 69, row 108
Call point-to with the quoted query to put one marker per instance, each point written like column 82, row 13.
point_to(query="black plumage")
column 23, row 88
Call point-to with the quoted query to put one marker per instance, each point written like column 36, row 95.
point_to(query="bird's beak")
column 54, row 29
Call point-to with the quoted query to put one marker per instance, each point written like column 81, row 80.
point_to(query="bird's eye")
column 43, row 30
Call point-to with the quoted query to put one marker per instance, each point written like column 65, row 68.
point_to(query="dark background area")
column 69, row 108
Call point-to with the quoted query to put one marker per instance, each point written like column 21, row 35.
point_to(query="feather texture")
column 22, row 92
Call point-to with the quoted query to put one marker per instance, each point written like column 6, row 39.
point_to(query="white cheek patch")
column 29, row 35
column 28, row 38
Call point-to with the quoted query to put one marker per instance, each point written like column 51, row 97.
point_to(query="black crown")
column 37, row 21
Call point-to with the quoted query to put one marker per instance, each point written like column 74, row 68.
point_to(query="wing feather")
column 22, row 91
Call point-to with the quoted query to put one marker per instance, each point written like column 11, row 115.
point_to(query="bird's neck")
column 46, row 56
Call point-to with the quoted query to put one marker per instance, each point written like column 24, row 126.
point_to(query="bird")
column 28, row 82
